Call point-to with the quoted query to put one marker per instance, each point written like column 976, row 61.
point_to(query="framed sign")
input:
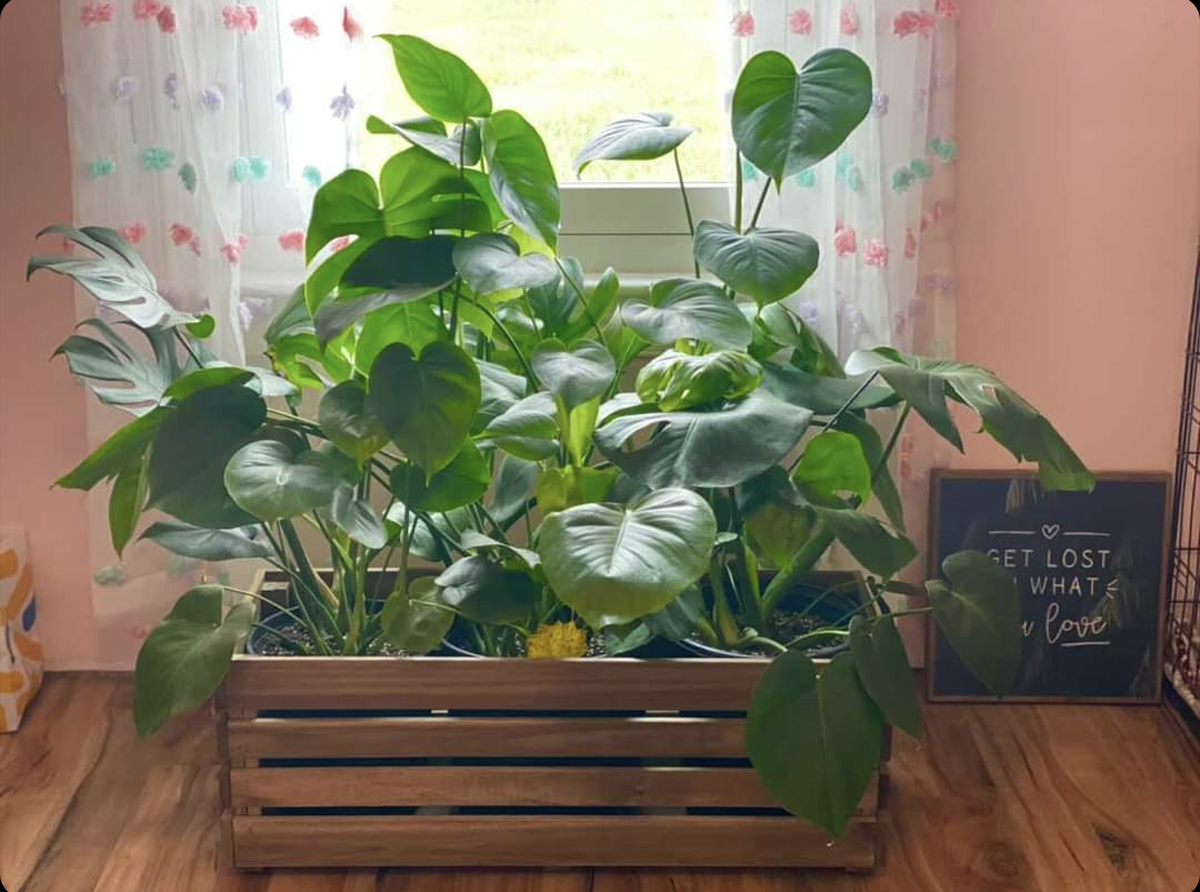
column 1091, row 573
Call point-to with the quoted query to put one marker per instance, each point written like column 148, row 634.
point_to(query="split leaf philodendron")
column 472, row 413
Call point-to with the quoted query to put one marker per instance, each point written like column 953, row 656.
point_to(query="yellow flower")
column 557, row 641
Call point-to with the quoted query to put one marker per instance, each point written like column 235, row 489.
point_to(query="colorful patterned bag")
column 20, row 652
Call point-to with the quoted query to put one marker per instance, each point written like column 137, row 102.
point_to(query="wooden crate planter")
column 433, row 761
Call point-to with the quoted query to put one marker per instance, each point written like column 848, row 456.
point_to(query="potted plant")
column 475, row 469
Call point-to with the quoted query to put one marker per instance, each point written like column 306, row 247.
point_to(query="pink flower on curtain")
column 875, row 253
column 292, row 240
column 910, row 244
column 233, row 250
column 848, row 20
column 144, row 10
column 801, row 22
column 134, row 233
column 351, row 25
column 243, row 19
column 845, row 240
column 743, row 24
column 305, row 27
column 913, row 21
column 947, row 9
column 167, row 23
column 96, row 13
column 180, row 234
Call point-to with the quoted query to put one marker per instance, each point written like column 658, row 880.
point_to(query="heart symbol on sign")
column 1050, row 530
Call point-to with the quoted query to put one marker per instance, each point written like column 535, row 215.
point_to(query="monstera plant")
column 446, row 401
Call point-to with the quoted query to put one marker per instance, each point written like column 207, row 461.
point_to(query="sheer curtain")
column 178, row 117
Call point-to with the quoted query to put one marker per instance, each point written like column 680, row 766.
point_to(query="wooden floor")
column 995, row 798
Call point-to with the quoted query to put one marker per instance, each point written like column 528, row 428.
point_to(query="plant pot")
column 828, row 610
column 444, row 761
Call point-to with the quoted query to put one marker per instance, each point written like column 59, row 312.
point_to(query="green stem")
column 891, row 443
column 768, row 642
column 801, row 565
column 511, row 343
column 737, row 191
column 817, row 635
column 687, row 206
column 762, row 199
column 294, row 646
column 582, row 299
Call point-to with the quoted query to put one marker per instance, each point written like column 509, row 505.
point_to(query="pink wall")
column 41, row 408
column 1078, row 213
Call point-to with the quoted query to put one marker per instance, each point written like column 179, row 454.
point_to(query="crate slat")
column 493, row 684
column 644, row 737
column 558, row 840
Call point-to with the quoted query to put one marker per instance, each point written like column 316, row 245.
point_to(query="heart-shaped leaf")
column 414, row 324
column 882, row 666
column 268, row 480
column 784, row 120
column 776, row 327
column 577, row 375
column 521, row 175
column 356, row 517
column 814, row 741
column 833, row 462
column 493, row 262
column 430, row 134
column 426, row 405
column 485, row 592
column 613, row 564
column 640, row 137
column 882, row 484
column 514, row 483
column 766, row 264
column 688, row 309
column 191, row 449
column 348, row 421
column 463, row 481
column 979, row 611
column 676, row 380
column 183, row 661
column 441, row 83
column 715, row 448
column 208, row 545
column 415, row 621
column 528, row 430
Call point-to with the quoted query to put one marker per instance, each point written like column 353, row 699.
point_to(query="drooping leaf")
column 676, row 380
column 814, row 741
column 882, row 484
column 613, row 564
column 528, row 429
column 784, row 121
column 426, row 404
column 715, row 448
column 183, row 661
column 463, row 481
column 441, row 83
column 415, row 621
column 766, row 264
column 978, row 609
column 125, row 503
column 875, row 546
column 208, row 545
column 266, row 479
column 124, row 447
column 882, row 666
column 577, row 375
column 485, row 592
column 191, row 448
column 778, row 327
column 348, row 421
column 356, row 517
column 833, row 462
column 824, row 395
column 512, row 557
column 521, row 175
column 514, row 483
column 640, row 137
column 688, row 309
column 493, row 262
column 430, row 134
column 1009, row 419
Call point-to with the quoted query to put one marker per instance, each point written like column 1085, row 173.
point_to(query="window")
column 569, row 66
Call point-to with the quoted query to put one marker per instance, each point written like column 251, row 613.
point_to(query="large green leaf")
column 521, row 175
column 555, row 303
column 1012, row 422
column 347, row 204
column 348, row 421
column 463, row 481
column 595, row 310
column 684, row 309
column 114, row 275
column 640, row 137
column 183, row 661
column 414, row 324
column 125, row 503
column 493, row 262
column 430, row 134
column 615, row 563
column 208, row 545
column 766, row 264
column 776, row 327
column 415, row 621
column 882, row 484
column 559, row 488
column 978, row 609
column 356, row 517
column 426, row 404
column 823, row 394
column 882, row 666
column 515, row 480
column 441, row 83
column 485, row 592
column 124, row 447
column 784, row 121
column 501, row 390
column 109, row 360
column 676, row 380
column 577, row 375
column 190, row 450
column 814, row 741
column 268, row 480
column 720, row 447
column 833, row 462
column 880, row 549
column 528, row 429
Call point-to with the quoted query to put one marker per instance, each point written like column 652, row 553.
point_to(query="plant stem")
column 817, row 635
column 891, row 443
column 582, row 299
column 762, row 199
column 511, row 343
column 188, row 347
column 850, row 402
column 769, row 642
column 803, row 562
column 737, row 191
column 687, row 207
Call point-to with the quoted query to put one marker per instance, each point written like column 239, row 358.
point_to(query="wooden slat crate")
column 377, row 762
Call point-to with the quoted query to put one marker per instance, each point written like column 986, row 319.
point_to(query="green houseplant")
column 470, row 412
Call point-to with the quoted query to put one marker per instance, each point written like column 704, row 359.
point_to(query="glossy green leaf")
column 430, row 134
column 883, row 485
column 882, row 665
column 766, row 264
column 203, row 327
column 574, row 375
column 266, row 479
column 426, row 404
column 560, row 488
column 463, row 481
column 109, row 360
column 875, row 546
column 183, row 661
column 978, row 609
column 348, row 421
column 123, row 448
column 514, row 483
column 814, row 740
column 208, row 545
column 613, row 564
column 777, row 530
column 441, row 83
column 414, row 324
column 689, row 309
column 125, row 503
column 485, row 592
column 833, row 462
column 347, row 204
column 493, row 262
column 640, row 137
column 674, row 380
column 521, row 175
column 824, row 395
column 528, row 429
column 355, row 517
column 677, row 621
column 596, row 310
column 415, row 621
column 784, row 121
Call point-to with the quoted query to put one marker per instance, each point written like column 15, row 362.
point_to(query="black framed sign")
column 1091, row 572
